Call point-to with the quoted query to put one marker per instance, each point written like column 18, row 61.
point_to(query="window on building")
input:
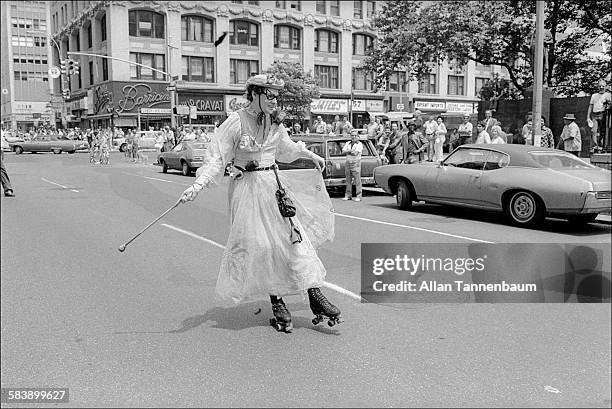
column 237, row 1
column 197, row 28
column 79, row 80
column 38, row 41
column 104, row 69
column 326, row 41
column 397, row 81
column 287, row 37
column 78, row 41
column 14, row 22
column 361, row 44
column 17, row 75
column 241, row 70
column 321, row 8
column 103, row 28
column 455, row 85
column 358, row 9
column 371, row 8
column 91, row 73
column 156, row 61
column 144, row 23
column 478, row 84
column 244, row 33
column 362, row 79
column 89, row 36
column 292, row 5
column 200, row 69
column 334, row 7
column 428, row 84
column 327, row 76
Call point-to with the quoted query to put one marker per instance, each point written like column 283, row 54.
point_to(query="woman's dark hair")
column 440, row 117
column 253, row 88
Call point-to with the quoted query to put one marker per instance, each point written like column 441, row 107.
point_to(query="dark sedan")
column 186, row 157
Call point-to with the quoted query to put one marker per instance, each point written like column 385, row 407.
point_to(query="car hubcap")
column 523, row 207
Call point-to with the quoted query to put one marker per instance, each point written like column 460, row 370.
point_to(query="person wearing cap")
column 570, row 140
column 268, row 254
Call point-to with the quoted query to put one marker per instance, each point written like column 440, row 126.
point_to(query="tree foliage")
column 417, row 35
column 300, row 88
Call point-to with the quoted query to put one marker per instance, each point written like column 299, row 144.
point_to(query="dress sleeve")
column 221, row 150
column 287, row 151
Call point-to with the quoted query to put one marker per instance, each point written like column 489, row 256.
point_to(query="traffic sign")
column 182, row 110
column 193, row 112
column 400, row 107
column 54, row 72
column 171, row 88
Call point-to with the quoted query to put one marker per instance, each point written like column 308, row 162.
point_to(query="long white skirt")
column 259, row 259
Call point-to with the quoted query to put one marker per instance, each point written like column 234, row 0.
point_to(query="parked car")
column 330, row 148
column 49, row 143
column 527, row 183
column 187, row 156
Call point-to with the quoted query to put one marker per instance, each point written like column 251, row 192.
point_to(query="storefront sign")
column 374, row 106
column 164, row 111
column 204, row 104
column 430, row 105
column 235, row 102
column 460, row 107
column 359, row 105
column 129, row 97
column 329, row 106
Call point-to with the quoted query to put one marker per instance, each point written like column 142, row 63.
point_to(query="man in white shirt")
column 596, row 117
column 430, row 128
column 320, row 126
column 570, row 137
column 352, row 166
column 465, row 130
column 489, row 121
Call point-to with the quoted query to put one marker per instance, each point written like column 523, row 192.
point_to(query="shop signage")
column 129, row 97
column 235, row 102
column 155, row 111
column 359, row 105
column 204, row 104
column 460, row 107
column 430, row 105
column 329, row 106
column 374, row 106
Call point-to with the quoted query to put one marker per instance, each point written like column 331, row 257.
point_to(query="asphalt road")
column 143, row 328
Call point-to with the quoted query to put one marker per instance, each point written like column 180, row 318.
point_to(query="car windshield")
column 559, row 160
column 198, row 145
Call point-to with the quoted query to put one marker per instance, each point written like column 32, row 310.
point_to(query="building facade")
column 24, row 62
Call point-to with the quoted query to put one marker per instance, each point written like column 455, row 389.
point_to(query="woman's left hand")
column 319, row 162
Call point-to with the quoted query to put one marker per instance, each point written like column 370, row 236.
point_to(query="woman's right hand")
column 190, row 193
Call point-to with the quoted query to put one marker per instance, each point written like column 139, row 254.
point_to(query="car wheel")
column 71, row 152
column 18, row 150
column 123, row 147
column 525, row 209
column 186, row 169
column 57, row 151
column 403, row 196
column 582, row 218
column 163, row 165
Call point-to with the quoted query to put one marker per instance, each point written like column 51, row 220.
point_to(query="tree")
column 300, row 88
column 416, row 36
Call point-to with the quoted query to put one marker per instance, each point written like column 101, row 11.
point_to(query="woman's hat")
column 571, row 117
column 266, row 81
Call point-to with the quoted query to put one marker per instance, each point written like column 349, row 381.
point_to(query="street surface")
column 143, row 327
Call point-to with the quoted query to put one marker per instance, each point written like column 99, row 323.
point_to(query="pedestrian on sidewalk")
column 571, row 140
column 439, row 140
column 268, row 254
column 352, row 166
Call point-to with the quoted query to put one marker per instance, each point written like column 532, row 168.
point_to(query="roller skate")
column 282, row 316
column 322, row 308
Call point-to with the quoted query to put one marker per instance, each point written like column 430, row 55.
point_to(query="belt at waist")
column 255, row 169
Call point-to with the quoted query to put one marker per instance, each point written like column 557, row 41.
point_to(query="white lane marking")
column 161, row 180
column 412, row 227
column 331, row 286
column 57, row 184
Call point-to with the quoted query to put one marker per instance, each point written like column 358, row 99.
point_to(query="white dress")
column 259, row 259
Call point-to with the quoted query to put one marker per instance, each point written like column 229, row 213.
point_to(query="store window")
column 326, row 41
column 362, row 44
column 144, row 23
column 327, row 76
column 244, row 33
column 197, row 28
column 156, row 61
column 198, row 69
column 241, row 70
column 287, row 37
column 456, row 85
